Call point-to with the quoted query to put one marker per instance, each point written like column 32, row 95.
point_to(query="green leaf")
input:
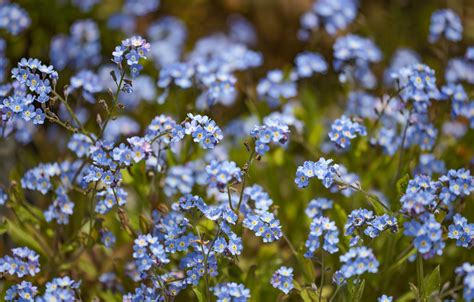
column 402, row 260
column 3, row 227
column 359, row 291
column 309, row 295
column 432, row 283
column 250, row 279
column 24, row 237
column 402, row 184
column 199, row 295
column 415, row 291
column 308, row 268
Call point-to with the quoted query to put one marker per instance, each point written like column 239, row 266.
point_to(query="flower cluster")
column 428, row 235
column 420, row 195
column 61, row 207
column 445, row 22
column 334, row 15
column 180, row 74
column 89, row 84
column 419, row 84
column 203, row 130
column 322, row 226
column 231, row 292
column 24, row 291
column 275, row 87
column 374, row 225
column 148, row 252
column 221, row 174
column 13, row 18
column 467, row 272
column 323, row 169
column 61, row 289
column 343, row 130
column 352, row 58
column 462, row 231
column 263, row 224
column 283, row 279
column 272, row 131
column 37, row 81
column 116, row 157
column 309, row 63
column 164, row 130
column 25, row 262
column 81, row 49
column 132, row 50
column 429, row 164
column 458, row 183
column 141, row 7
column 317, row 206
column 357, row 261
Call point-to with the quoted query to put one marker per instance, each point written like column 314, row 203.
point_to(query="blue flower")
column 429, row 164
column 61, row 208
column 371, row 225
column 428, row 235
column 283, row 279
column 148, row 252
column 309, row 63
column 352, row 58
column 334, row 15
column 108, row 239
column 419, row 84
column 274, row 87
column 81, row 49
column 167, row 37
column 179, row 73
column 30, row 75
column 25, row 262
column 89, row 84
column 323, row 169
column 461, row 231
column 129, row 49
column 220, row 174
column 25, row 291
column 361, row 104
column 61, row 289
column 3, row 197
column 445, row 22
column 317, row 206
column 231, row 292
column 385, row 298
column 273, row 131
column 322, row 226
column 13, row 18
column 403, row 57
column 357, row 261
column 466, row 271
column 460, row 182
column 203, row 130
column 343, row 130
column 140, row 7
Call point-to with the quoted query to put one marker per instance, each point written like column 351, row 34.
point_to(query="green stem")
column 419, row 272
column 114, row 103
column 246, row 168
column 335, row 293
column 322, row 277
column 230, row 198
